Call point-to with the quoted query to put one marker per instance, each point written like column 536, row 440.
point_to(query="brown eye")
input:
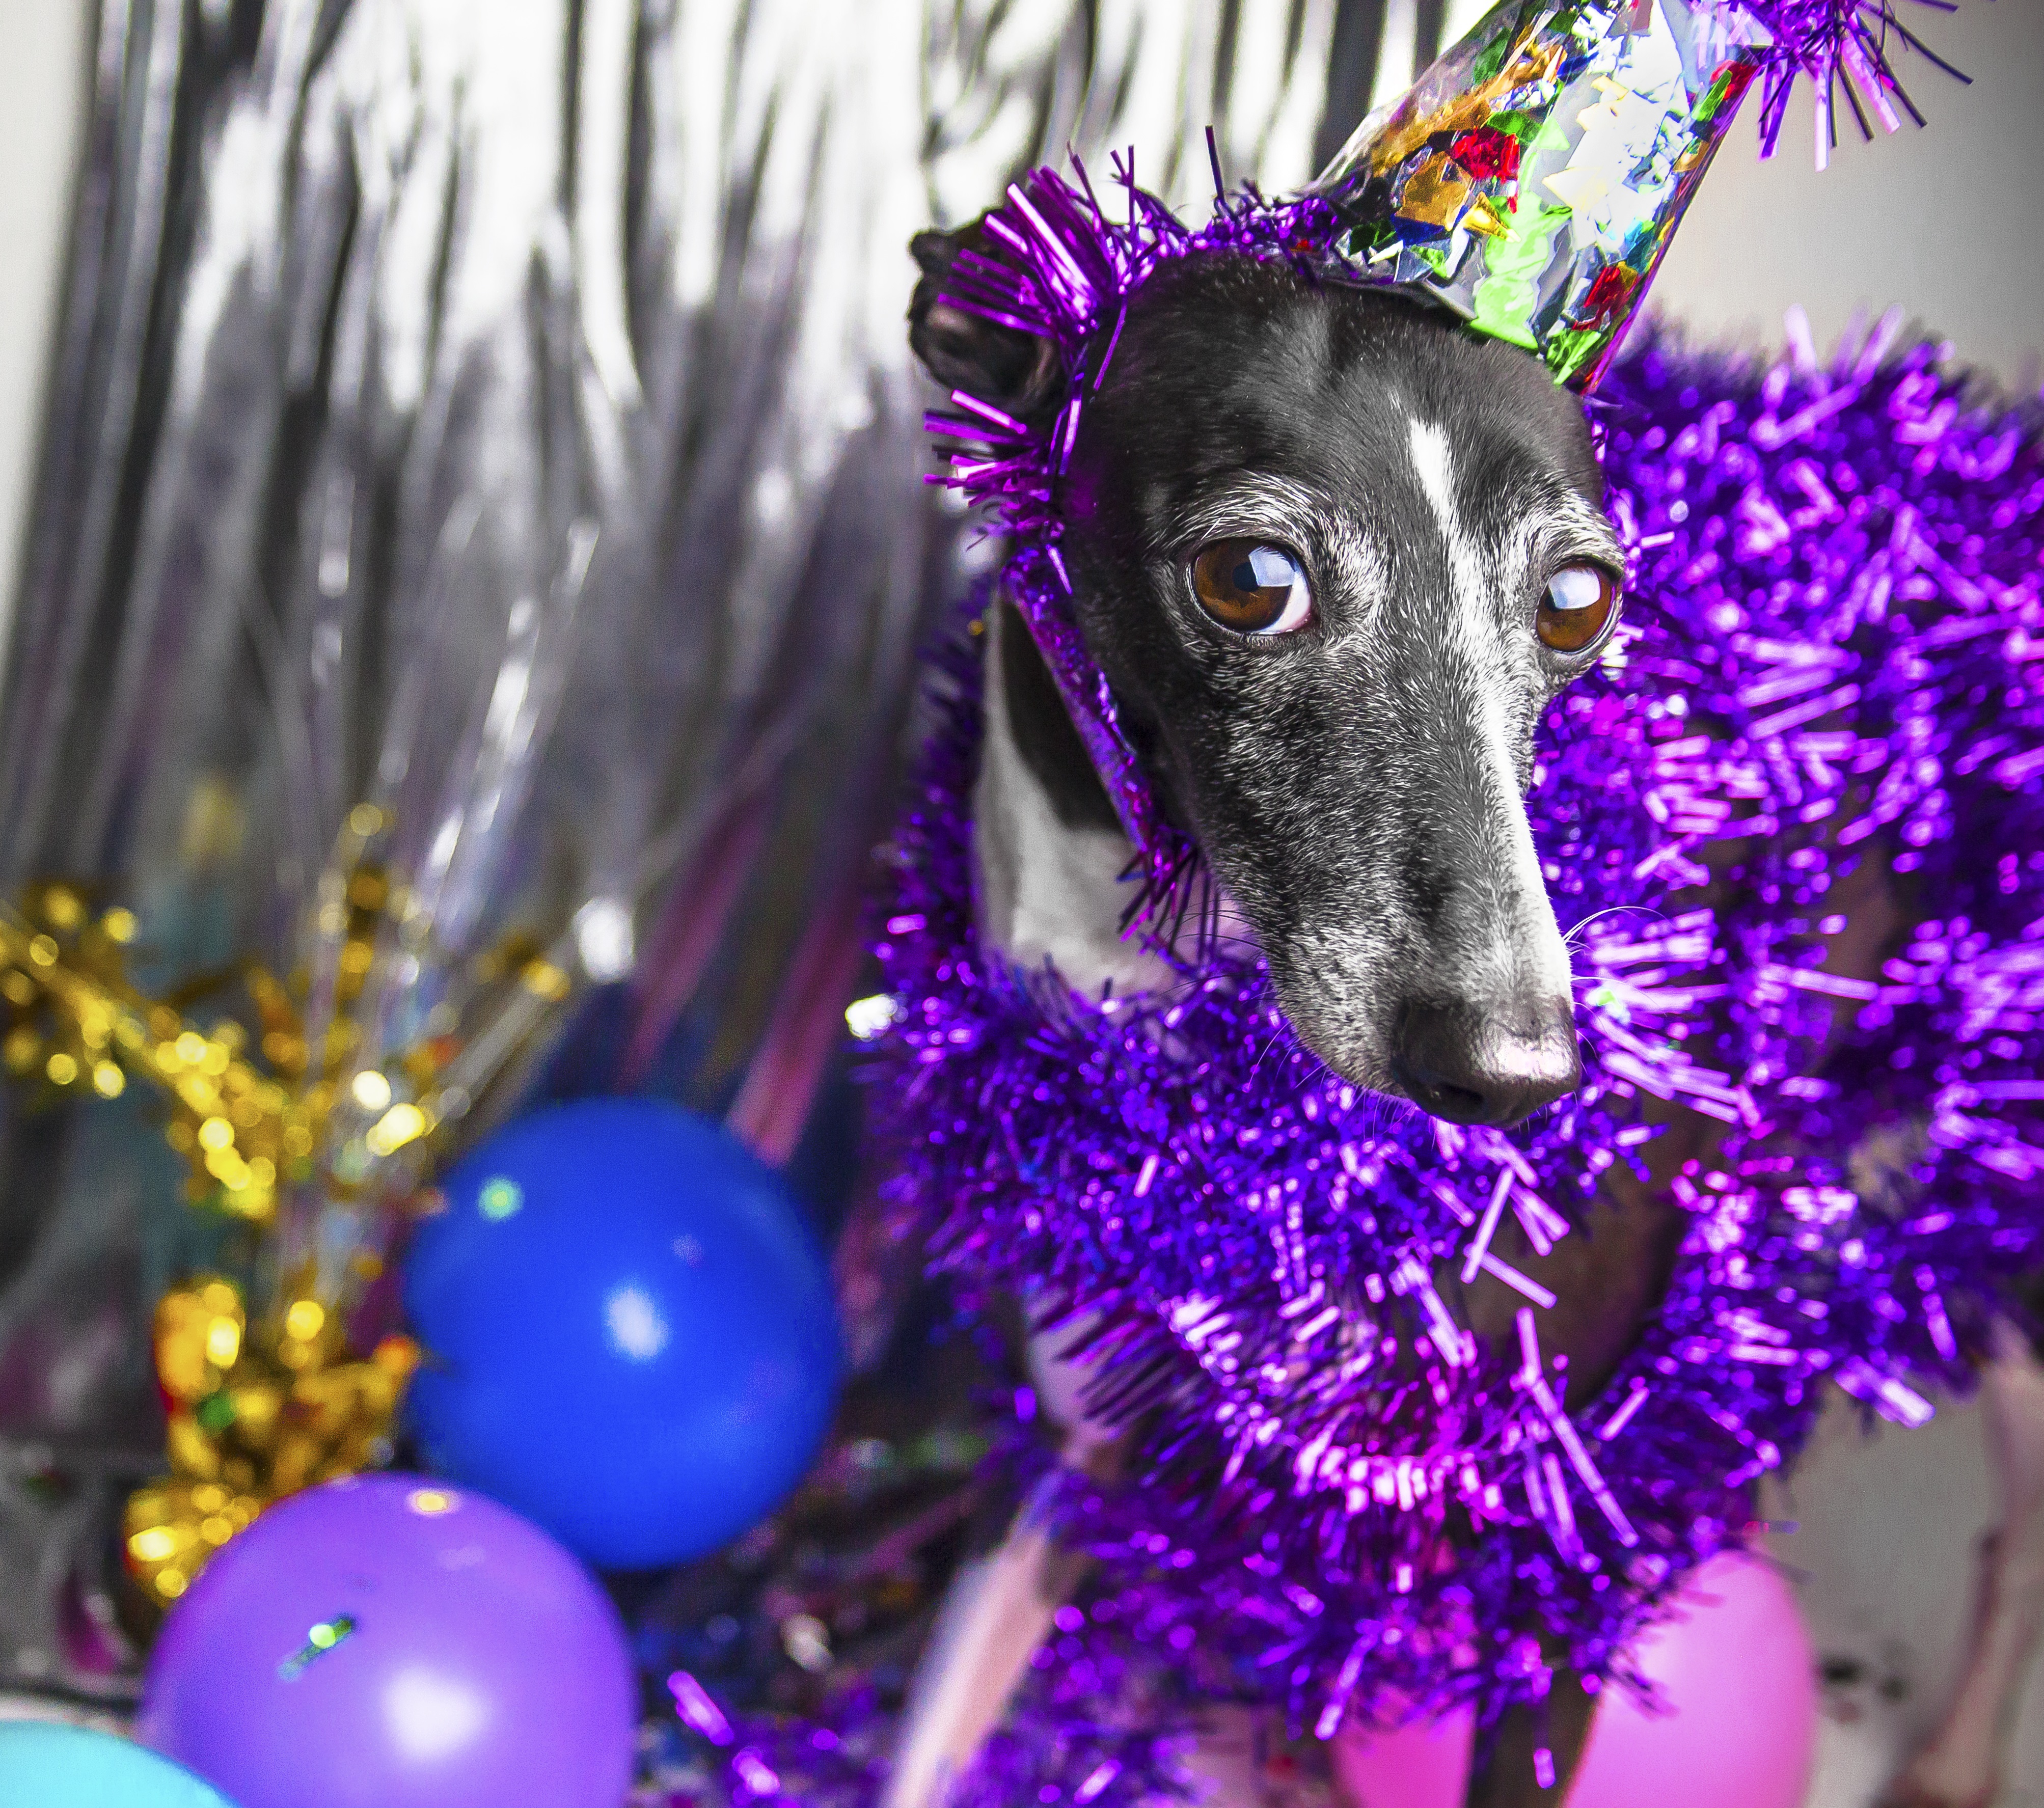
column 1581, row 602
column 1252, row 588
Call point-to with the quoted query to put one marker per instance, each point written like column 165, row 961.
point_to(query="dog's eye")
column 1252, row 588
column 1579, row 604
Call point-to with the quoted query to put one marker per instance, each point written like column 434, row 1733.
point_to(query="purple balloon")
column 389, row 1642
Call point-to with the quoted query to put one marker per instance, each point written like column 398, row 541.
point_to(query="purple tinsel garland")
column 1836, row 578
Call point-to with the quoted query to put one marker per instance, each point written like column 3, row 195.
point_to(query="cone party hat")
column 1533, row 177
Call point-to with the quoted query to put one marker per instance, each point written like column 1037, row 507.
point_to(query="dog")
column 1336, row 557
column 1353, row 764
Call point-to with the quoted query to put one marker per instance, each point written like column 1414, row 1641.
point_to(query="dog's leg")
column 1960, row 1766
column 1610, row 1274
column 1507, row 1774
column 1048, row 858
column 999, row 1611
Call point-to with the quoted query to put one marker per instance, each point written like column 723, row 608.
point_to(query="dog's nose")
column 1468, row 1066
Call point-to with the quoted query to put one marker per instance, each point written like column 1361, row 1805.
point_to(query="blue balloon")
column 630, row 1334
column 54, row 1766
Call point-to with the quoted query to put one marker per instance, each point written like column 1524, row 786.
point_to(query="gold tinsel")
column 252, row 1117
column 75, row 1024
column 257, row 1108
column 256, row 1414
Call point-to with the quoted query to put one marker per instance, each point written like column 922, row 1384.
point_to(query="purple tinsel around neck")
column 1838, row 604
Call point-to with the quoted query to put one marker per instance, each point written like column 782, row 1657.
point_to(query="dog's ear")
column 1018, row 371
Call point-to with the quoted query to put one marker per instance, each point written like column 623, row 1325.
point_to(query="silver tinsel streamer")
column 502, row 412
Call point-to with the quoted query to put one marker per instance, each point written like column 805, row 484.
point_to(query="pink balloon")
column 1739, row 1672
column 1736, row 1670
column 1417, row 1767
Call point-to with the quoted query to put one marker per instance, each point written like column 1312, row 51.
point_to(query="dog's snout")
column 1469, row 1066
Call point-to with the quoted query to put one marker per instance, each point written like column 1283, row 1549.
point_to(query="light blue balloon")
column 47, row 1764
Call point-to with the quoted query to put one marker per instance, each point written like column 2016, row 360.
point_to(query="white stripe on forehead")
column 1529, row 942
column 1433, row 464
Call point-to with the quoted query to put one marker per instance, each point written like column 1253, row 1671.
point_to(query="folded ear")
column 1018, row 371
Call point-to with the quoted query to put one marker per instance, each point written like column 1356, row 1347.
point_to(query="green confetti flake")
column 1507, row 295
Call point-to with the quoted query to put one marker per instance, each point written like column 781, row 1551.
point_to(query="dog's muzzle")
column 1473, row 1066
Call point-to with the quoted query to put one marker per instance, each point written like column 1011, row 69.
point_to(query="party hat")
column 1533, row 177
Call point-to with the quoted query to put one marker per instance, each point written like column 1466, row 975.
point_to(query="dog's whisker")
column 1572, row 936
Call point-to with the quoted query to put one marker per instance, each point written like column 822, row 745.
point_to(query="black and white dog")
column 1336, row 556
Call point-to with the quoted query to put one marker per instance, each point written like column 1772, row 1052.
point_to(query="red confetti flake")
column 1487, row 153
column 1606, row 297
column 1726, row 91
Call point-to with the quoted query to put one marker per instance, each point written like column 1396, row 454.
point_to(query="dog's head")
column 1336, row 555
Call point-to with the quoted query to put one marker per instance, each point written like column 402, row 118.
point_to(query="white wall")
column 43, row 46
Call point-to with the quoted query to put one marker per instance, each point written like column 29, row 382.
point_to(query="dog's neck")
column 1049, row 857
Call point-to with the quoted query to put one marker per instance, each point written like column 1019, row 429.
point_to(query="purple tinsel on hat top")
column 1829, row 657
